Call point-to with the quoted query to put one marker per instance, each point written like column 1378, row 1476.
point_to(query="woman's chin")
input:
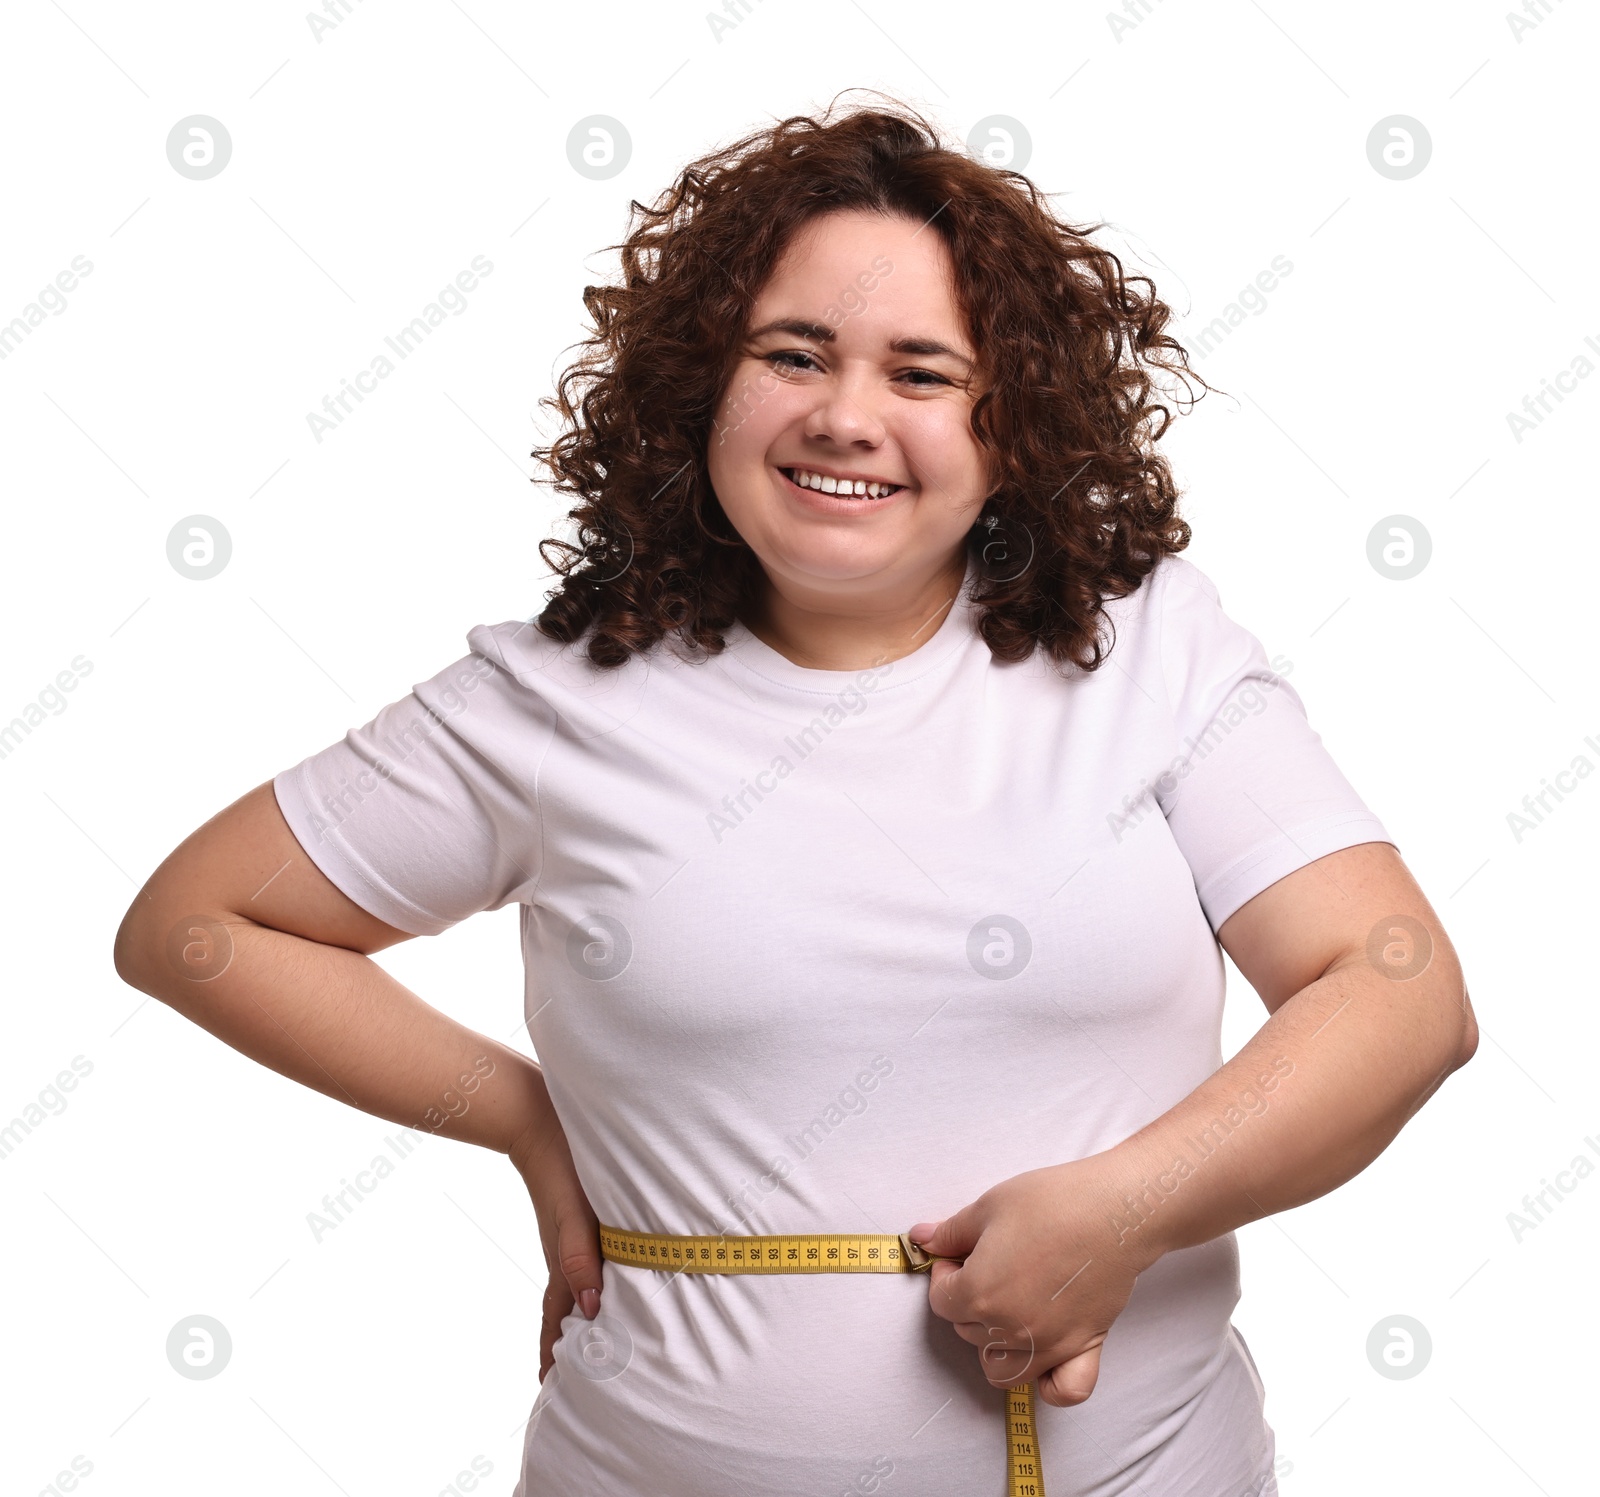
column 841, row 560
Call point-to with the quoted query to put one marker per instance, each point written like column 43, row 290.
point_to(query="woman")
column 880, row 789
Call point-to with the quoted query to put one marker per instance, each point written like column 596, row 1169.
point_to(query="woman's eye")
column 788, row 353
column 795, row 359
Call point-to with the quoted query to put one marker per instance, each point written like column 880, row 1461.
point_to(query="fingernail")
column 921, row 1232
column 589, row 1302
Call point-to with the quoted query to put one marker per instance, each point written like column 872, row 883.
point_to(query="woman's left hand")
column 1048, row 1268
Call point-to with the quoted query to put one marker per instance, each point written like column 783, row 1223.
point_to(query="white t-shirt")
column 836, row 951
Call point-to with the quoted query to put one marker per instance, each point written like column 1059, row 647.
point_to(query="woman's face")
column 855, row 365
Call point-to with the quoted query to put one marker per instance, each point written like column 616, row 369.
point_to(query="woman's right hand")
column 568, row 1229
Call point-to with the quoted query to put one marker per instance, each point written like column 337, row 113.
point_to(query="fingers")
column 557, row 1306
column 569, row 1233
column 1004, row 1365
column 1009, row 1357
column 944, row 1281
column 955, row 1236
column 1073, row 1381
column 578, row 1258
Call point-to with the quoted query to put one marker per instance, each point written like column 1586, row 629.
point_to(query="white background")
column 368, row 168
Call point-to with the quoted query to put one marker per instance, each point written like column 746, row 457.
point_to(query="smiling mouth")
column 842, row 488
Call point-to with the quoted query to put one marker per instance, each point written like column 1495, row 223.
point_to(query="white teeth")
column 855, row 487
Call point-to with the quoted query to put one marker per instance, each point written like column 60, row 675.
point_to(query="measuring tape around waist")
column 825, row 1252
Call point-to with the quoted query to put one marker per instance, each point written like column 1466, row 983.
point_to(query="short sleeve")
column 428, row 813
column 1251, row 793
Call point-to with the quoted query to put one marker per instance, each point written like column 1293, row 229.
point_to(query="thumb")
column 578, row 1257
column 954, row 1237
column 1073, row 1381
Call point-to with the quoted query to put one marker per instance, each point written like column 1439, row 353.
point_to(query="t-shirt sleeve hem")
column 1284, row 854
column 344, row 870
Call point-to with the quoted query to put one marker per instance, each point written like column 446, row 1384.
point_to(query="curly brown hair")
column 1069, row 412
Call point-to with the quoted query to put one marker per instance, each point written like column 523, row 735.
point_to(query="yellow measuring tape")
column 822, row 1252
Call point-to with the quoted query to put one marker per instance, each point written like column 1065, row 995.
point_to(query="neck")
column 838, row 631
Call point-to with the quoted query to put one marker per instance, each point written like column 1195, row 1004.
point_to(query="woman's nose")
column 845, row 414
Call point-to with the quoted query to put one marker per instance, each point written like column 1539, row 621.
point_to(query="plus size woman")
column 880, row 789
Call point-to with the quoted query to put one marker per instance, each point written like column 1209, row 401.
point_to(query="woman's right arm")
column 239, row 931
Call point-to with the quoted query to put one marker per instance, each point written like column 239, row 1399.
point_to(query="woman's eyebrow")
column 800, row 327
column 927, row 347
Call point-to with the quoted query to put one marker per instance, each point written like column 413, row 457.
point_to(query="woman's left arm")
column 1369, row 1014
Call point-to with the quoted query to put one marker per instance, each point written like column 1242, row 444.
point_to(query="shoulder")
column 552, row 679
column 1175, row 579
column 1181, row 601
column 1174, row 586
column 1172, row 632
column 1172, row 574
column 526, row 654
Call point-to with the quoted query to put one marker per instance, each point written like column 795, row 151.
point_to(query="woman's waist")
column 829, row 1334
column 806, row 1382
